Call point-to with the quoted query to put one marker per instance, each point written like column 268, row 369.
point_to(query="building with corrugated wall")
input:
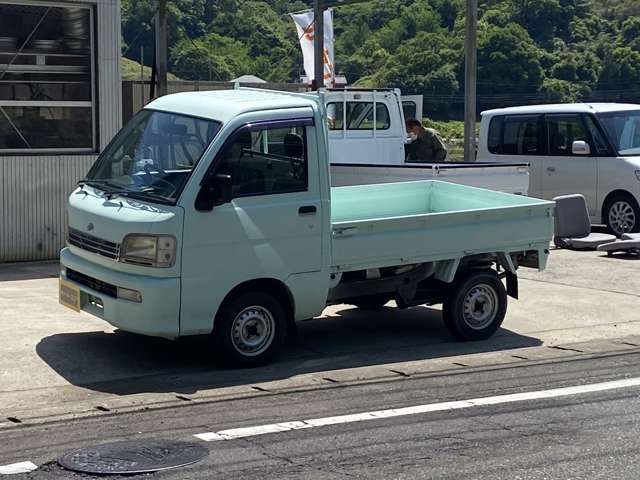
column 60, row 104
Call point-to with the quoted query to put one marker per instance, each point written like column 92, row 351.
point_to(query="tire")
column 476, row 306
column 371, row 303
column 249, row 330
column 622, row 215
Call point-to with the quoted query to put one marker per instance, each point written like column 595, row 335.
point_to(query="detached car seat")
column 572, row 225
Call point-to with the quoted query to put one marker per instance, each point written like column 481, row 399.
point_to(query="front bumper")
column 157, row 315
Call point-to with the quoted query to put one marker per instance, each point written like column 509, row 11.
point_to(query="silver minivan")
column 591, row 149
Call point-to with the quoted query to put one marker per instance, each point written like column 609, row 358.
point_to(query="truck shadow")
column 123, row 364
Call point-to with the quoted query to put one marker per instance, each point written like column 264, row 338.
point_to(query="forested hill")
column 529, row 50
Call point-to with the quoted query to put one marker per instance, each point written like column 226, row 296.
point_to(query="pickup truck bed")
column 415, row 222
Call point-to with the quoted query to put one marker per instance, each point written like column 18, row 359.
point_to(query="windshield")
column 153, row 156
column 623, row 129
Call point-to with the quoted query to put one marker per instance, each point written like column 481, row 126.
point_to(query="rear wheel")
column 622, row 215
column 476, row 305
column 249, row 330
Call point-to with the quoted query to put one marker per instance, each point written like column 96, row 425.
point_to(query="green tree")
column 508, row 61
column 211, row 57
column 621, row 69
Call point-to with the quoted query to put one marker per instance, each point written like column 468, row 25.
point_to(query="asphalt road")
column 588, row 435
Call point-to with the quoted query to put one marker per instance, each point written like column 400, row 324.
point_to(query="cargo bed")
column 414, row 222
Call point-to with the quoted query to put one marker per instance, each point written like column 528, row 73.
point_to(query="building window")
column 47, row 92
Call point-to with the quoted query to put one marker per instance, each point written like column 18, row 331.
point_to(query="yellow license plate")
column 69, row 295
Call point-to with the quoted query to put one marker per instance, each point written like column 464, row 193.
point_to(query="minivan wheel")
column 622, row 215
column 249, row 330
column 476, row 305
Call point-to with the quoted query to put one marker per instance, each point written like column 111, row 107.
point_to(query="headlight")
column 638, row 174
column 149, row 250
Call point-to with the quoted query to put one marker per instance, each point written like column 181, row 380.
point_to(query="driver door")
column 271, row 229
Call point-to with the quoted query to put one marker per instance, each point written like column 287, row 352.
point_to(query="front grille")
column 93, row 283
column 93, row 244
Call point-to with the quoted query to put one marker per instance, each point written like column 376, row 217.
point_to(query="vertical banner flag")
column 306, row 28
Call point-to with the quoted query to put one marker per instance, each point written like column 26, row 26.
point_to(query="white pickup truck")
column 367, row 139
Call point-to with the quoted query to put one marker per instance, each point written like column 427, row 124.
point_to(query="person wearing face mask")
column 426, row 145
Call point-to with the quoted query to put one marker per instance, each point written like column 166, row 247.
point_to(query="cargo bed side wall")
column 449, row 197
column 366, row 202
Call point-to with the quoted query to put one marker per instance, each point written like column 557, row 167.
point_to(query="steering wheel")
column 154, row 164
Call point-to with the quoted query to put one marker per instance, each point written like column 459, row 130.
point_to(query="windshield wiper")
column 111, row 192
column 140, row 195
column 96, row 183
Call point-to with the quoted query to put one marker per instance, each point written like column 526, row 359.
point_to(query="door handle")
column 551, row 169
column 345, row 232
column 307, row 210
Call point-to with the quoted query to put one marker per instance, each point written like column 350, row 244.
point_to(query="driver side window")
column 265, row 161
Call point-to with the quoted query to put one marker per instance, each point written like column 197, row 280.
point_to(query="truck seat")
column 293, row 146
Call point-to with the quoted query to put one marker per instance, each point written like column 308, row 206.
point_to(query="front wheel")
column 249, row 330
column 476, row 306
column 622, row 215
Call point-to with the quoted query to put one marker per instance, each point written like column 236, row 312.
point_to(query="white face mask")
column 413, row 136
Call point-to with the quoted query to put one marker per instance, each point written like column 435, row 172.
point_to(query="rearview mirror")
column 580, row 147
column 215, row 190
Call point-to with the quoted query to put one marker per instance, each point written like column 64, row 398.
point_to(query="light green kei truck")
column 211, row 213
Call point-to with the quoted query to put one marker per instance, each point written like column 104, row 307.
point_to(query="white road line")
column 243, row 432
column 22, row 467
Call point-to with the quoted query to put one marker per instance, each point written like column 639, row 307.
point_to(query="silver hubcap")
column 622, row 218
column 480, row 306
column 252, row 331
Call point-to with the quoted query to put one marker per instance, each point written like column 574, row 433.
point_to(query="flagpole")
column 318, row 12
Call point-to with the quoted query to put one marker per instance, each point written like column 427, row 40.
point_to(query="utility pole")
column 470, row 79
column 161, row 46
column 318, row 44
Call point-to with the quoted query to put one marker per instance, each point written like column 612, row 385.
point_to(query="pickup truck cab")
column 367, row 138
column 212, row 213
column 591, row 149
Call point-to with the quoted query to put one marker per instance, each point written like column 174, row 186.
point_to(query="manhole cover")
column 141, row 456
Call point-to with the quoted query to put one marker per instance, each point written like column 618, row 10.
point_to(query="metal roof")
column 223, row 105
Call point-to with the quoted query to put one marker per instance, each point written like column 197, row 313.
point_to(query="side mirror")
column 224, row 188
column 580, row 147
column 215, row 190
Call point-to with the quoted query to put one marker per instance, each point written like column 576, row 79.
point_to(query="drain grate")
column 130, row 457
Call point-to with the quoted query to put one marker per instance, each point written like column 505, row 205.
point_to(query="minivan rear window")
column 516, row 135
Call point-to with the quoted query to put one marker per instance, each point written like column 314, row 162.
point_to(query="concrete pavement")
column 57, row 364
